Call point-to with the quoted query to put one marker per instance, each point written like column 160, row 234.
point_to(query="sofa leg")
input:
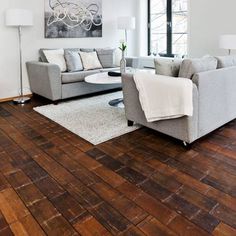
column 55, row 103
column 130, row 123
column 187, row 145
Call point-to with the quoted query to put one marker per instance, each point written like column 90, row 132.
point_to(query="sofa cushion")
column 87, row 49
column 56, row 57
column 73, row 77
column 90, row 60
column 106, row 57
column 226, row 61
column 189, row 67
column 73, row 61
column 167, row 66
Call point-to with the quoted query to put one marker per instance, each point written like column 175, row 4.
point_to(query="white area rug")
column 91, row 118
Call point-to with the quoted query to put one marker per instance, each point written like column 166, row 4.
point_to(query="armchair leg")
column 130, row 123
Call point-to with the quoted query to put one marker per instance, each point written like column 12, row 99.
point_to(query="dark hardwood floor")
column 52, row 182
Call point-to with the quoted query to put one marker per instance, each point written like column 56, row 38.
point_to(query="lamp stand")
column 126, row 36
column 21, row 99
column 126, row 41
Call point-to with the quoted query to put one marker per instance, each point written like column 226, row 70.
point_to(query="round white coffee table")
column 104, row 78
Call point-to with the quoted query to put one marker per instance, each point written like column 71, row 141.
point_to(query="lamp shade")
column 126, row 23
column 228, row 41
column 19, row 17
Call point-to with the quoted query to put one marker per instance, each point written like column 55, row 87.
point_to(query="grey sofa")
column 214, row 101
column 47, row 80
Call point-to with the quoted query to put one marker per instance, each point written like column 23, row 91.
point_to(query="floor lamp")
column 19, row 18
column 126, row 23
column 228, row 42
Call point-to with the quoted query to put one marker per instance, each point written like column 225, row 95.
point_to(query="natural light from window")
column 168, row 27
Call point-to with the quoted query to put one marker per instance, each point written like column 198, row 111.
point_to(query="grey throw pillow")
column 226, row 61
column 106, row 57
column 167, row 66
column 189, row 67
column 73, row 61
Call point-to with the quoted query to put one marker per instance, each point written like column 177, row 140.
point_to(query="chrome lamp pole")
column 21, row 99
column 18, row 18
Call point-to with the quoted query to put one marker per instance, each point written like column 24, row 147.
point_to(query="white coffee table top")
column 102, row 78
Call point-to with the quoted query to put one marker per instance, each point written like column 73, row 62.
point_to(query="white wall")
column 33, row 39
column 142, row 30
column 208, row 20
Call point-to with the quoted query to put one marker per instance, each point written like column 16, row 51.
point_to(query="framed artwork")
column 73, row 18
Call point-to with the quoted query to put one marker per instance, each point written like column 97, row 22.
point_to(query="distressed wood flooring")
column 52, row 182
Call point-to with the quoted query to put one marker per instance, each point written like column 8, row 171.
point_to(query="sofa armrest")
column 45, row 79
column 184, row 128
column 132, row 62
column 217, row 98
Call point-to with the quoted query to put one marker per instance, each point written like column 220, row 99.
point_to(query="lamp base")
column 21, row 100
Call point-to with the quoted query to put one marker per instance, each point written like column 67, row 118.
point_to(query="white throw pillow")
column 90, row 60
column 56, row 57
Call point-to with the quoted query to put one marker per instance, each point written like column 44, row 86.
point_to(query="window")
column 167, row 27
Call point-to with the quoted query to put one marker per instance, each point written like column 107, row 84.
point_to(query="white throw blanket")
column 164, row 97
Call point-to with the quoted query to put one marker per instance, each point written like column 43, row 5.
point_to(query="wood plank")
column 3, row 183
column 3, row 222
column 109, row 176
column 184, row 227
column 182, row 206
column 49, row 187
column 205, row 221
column 133, row 231
column 18, row 179
column 11, row 206
column 153, row 227
column 68, row 207
column 50, row 219
column 132, row 175
column 6, row 232
column 224, row 230
column 91, row 227
column 155, row 190
column 30, row 194
column 31, row 226
column 197, row 198
column 155, row 208
column 130, row 191
column 225, row 214
column 110, row 218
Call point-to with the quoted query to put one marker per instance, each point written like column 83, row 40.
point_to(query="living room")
column 118, row 117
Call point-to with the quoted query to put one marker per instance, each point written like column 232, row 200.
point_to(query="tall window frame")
column 169, row 30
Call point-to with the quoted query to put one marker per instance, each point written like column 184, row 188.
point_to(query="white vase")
column 123, row 63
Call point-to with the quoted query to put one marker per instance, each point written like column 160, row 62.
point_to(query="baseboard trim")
column 11, row 98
